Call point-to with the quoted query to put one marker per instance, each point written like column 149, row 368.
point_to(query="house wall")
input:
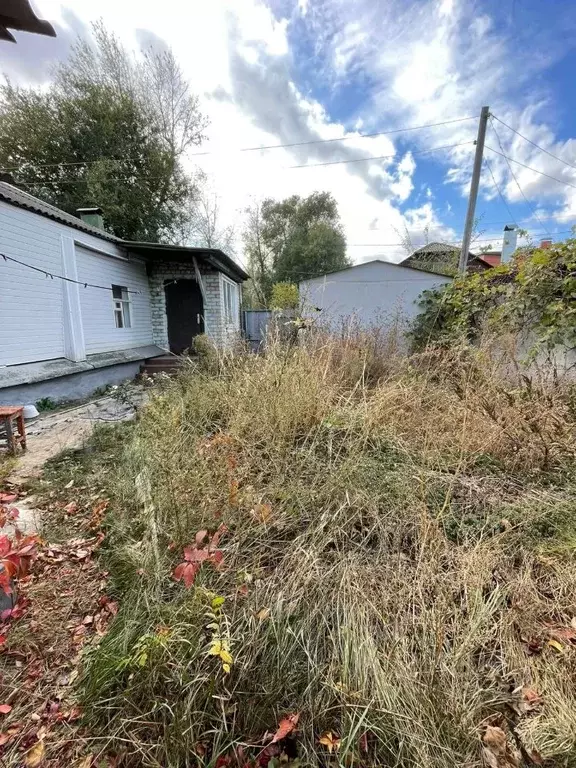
column 46, row 319
column 214, row 324
column 375, row 292
column 97, row 306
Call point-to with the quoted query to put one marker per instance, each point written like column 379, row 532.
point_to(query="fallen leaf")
column 71, row 508
column 496, row 751
column 5, row 708
column 81, row 554
column 7, row 498
column 564, row 634
column 262, row 512
column 69, row 485
column 88, row 620
column 286, row 726
column 84, row 762
column 329, row 741
column 200, row 536
column 263, row 614
column 556, row 645
column 363, row 743
column 35, row 755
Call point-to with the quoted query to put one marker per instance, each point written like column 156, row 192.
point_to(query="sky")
column 274, row 72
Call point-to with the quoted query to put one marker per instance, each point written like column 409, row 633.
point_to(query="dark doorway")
column 185, row 313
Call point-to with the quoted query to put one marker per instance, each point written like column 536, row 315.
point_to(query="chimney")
column 509, row 244
column 91, row 216
column 545, row 244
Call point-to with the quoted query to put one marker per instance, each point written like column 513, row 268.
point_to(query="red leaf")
column 71, row 508
column 5, row 708
column 187, row 572
column 364, row 742
column 194, row 555
column 285, row 727
column 222, row 529
column 2, row 639
column 200, row 536
column 217, row 557
column 7, row 498
column 5, row 545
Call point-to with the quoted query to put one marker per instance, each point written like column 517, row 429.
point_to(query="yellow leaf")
column 35, row 755
column 263, row 614
column 84, row 762
column 555, row 644
column 329, row 741
column 226, row 668
column 215, row 648
column 226, row 657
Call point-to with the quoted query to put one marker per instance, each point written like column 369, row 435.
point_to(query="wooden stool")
column 8, row 415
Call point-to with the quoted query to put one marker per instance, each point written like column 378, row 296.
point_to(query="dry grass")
column 401, row 549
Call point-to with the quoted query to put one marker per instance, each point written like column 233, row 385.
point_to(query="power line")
column 52, row 276
column 455, row 243
column 383, row 157
column 528, row 167
column 528, row 203
column 285, row 167
column 270, row 146
column 499, row 192
column 358, row 136
column 534, row 143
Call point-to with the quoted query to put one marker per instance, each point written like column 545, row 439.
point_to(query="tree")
column 293, row 239
column 285, row 296
column 258, row 290
column 206, row 228
column 110, row 131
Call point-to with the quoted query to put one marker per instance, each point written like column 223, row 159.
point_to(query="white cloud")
column 427, row 61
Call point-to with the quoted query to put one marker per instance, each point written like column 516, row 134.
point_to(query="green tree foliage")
column 285, row 296
column 111, row 131
column 293, row 239
column 534, row 295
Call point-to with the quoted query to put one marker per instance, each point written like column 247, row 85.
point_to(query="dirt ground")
column 51, row 433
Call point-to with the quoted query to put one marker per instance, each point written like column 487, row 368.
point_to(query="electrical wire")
column 528, row 167
column 502, row 198
column 528, row 203
column 286, row 167
column 383, row 157
column 534, row 143
column 270, row 146
column 60, row 277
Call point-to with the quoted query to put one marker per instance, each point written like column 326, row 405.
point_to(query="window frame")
column 231, row 307
column 121, row 307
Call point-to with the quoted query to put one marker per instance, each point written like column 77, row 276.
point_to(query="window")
column 231, row 306
column 121, row 306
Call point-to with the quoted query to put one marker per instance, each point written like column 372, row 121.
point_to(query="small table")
column 8, row 415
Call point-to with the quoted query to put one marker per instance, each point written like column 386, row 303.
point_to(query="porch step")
column 162, row 364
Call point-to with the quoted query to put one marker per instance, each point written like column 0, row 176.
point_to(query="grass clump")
column 399, row 552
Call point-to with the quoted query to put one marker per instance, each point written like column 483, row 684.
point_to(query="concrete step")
column 162, row 364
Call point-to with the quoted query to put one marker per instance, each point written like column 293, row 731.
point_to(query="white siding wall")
column 32, row 321
column 100, row 332
column 30, row 303
column 371, row 293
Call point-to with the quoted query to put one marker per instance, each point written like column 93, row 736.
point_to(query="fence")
column 255, row 323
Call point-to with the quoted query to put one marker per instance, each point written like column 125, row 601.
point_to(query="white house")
column 80, row 308
column 375, row 292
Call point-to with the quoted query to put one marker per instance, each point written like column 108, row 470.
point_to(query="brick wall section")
column 213, row 309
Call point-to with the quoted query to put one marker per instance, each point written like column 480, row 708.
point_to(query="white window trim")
column 235, row 323
column 122, row 306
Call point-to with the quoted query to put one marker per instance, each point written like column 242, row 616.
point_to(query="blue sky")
column 281, row 71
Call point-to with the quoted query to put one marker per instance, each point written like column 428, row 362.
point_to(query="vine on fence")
column 535, row 295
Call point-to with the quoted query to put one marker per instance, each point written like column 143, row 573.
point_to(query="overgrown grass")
column 400, row 550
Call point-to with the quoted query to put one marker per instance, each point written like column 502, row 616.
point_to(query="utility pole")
column 484, row 115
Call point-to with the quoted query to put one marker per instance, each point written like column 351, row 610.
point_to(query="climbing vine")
column 534, row 295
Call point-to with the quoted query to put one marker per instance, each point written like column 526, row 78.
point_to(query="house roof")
column 434, row 251
column 15, row 196
column 375, row 261
column 18, row 14
column 151, row 251
column 212, row 256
